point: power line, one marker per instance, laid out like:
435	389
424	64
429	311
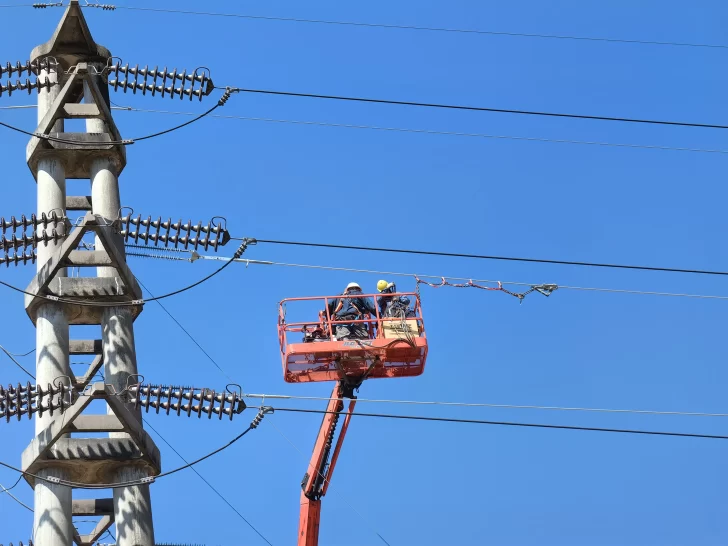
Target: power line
439	277
18	364
189	335
480	108
22	354
208	483
424	131
444	133
124	142
484	405
427	29
16	499
515	424
487	257
20	107
144	481
85	303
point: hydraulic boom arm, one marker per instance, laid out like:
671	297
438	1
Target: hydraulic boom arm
321	468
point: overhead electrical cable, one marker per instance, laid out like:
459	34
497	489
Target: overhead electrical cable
513	424
423	28
20	107
147	423
484	405
488	257
18	364
480	108
426	131
247	262
85	303
187	333
143	481
123	142
445	133
16	499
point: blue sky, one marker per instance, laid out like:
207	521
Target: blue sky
428	483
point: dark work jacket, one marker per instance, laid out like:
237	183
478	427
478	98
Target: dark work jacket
353	306
383	301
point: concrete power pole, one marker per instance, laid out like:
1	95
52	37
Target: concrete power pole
77	65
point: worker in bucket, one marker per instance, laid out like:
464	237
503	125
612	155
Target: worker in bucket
391	305
351	306
384	300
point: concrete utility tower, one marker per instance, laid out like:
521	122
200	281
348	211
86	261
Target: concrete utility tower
110	299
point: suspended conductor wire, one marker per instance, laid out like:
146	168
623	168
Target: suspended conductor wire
124	142
147	423
20	107
18	364
442	133
424	131
189	335
514	424
478	108
194	257
424	28
84	303
20	354
16	499
263	410
485	405
486	257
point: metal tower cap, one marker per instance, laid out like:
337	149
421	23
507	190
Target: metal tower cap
72	41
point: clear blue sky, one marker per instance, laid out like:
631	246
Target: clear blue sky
431	484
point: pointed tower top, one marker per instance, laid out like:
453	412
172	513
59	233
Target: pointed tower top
72	41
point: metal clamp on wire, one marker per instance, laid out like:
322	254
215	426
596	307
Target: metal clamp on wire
261	413
243	246
105	7
226	95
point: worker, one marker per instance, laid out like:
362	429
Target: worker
385	287
351	306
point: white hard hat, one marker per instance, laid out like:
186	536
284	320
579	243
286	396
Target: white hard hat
353	285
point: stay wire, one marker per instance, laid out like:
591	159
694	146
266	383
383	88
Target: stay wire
480	108
428	29
84	303
487	257
212	487
189	335
514	424
486	405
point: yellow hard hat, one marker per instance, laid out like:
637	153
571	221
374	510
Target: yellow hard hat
381	285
